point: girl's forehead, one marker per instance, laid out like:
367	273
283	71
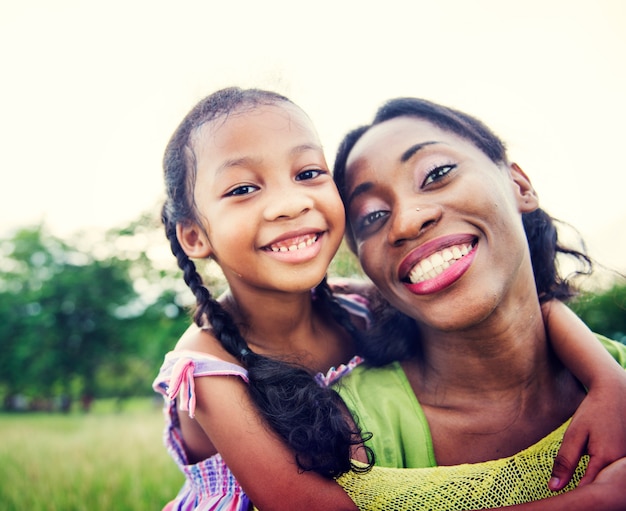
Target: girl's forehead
280	114
253	134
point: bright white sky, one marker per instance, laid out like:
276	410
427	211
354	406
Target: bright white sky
91	91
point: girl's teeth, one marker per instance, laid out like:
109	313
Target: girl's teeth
303	244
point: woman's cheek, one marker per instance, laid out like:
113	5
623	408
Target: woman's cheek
370	258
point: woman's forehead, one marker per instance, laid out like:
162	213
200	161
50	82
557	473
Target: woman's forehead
394	139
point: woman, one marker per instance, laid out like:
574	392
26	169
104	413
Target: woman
442	222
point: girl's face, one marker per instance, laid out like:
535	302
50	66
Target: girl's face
270	212
436	223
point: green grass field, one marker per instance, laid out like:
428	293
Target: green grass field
105	460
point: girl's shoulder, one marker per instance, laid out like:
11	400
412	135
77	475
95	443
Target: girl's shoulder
176	378
202	340
197	353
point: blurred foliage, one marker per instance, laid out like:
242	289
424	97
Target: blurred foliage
345	264
93	316
604	312
75	321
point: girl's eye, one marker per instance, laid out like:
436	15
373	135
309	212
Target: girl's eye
242	190
309	174
438	173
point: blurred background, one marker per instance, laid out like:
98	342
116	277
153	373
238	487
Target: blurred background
90	298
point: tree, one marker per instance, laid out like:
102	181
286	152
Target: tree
58	311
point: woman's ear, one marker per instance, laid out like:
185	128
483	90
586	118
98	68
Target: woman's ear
525	194
193	240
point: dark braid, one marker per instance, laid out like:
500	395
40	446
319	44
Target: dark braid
310	418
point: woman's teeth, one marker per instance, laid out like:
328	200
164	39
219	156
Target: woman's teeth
436	263
293	244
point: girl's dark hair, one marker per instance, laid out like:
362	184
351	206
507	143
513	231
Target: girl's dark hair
310	418
540	228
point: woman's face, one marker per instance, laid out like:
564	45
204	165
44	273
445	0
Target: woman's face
437	224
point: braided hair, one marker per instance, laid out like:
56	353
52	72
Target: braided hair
539	226
310	418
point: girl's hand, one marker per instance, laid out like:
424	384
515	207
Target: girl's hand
597	428
608	487
599	425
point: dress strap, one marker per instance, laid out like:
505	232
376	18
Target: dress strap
176	377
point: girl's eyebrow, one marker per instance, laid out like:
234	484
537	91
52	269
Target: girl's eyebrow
306	147
236	162
406	155
250	161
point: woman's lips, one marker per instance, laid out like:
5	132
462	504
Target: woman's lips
438	263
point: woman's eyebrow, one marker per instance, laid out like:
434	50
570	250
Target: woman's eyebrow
360	189
406	155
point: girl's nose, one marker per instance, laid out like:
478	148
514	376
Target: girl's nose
287	203
410	222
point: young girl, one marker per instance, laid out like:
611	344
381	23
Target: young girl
248	187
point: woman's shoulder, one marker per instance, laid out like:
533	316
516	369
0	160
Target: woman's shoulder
364	376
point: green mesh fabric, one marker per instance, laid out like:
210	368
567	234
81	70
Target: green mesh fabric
504	482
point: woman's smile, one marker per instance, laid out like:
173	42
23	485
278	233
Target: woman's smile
438	263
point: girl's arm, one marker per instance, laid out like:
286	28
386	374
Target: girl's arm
605	493
263	465
228	422
599	424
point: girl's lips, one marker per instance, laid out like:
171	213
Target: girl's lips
438	263
296	248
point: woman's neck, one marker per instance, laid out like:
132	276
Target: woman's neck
492	390
489	357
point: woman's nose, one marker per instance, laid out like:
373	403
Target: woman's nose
411	222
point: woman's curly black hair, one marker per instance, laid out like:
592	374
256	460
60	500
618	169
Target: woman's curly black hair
310	418
540	228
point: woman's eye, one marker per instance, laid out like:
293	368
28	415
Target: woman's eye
308	174
438	173
371	218
241	190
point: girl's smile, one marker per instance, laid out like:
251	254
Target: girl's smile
295	248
